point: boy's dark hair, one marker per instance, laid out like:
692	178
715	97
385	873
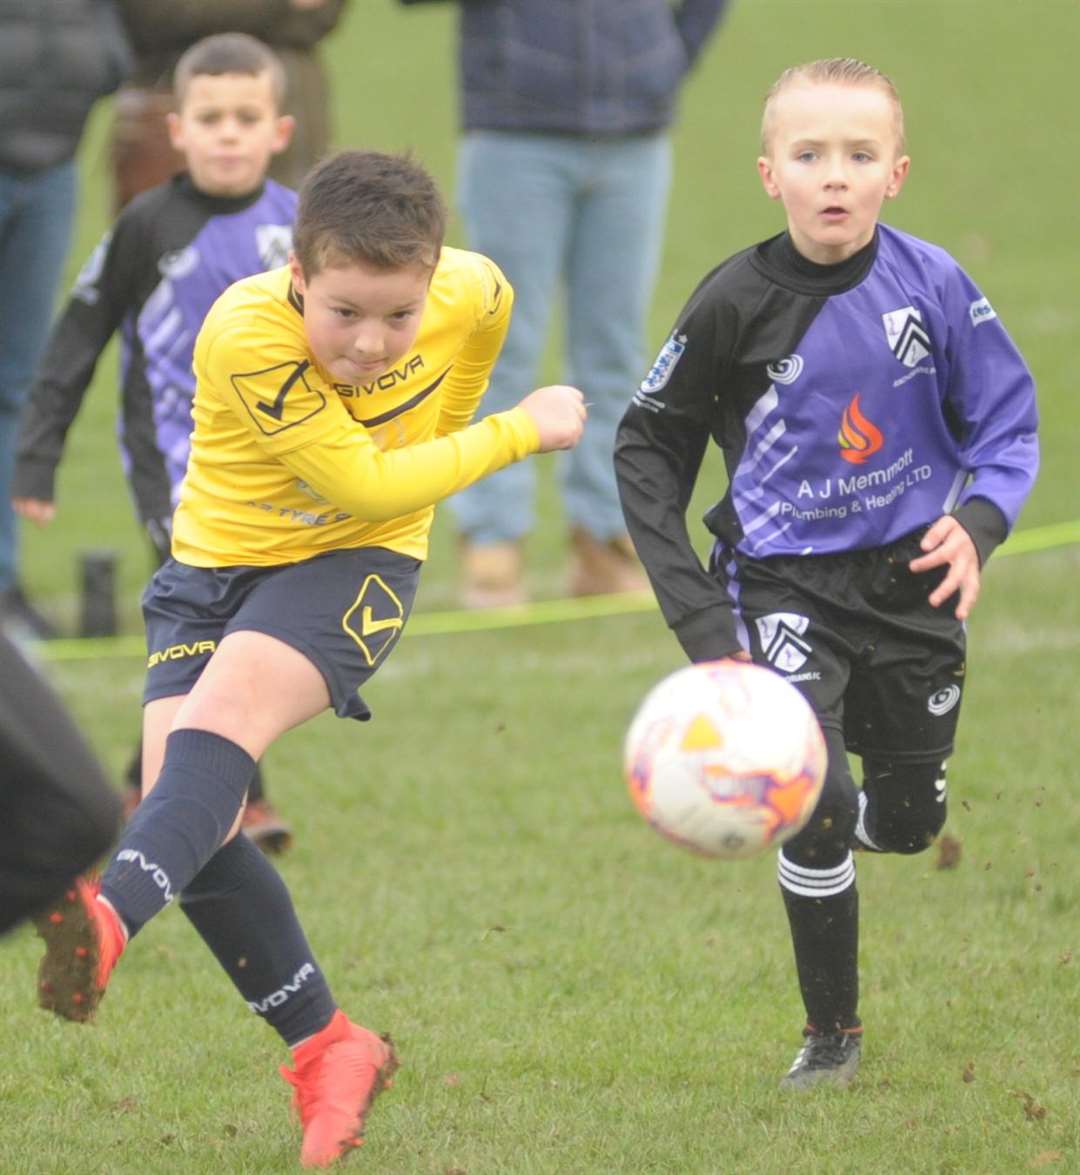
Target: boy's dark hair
365	207
229	53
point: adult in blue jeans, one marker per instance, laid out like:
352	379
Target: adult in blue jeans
57	57
563	175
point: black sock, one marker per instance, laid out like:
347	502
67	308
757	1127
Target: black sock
242	909
823	913
179	826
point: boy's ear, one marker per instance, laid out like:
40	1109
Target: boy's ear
283	132
176	130
899	174
768	182
297	273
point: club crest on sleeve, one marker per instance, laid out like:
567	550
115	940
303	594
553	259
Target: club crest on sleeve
906	335
660	372
278	397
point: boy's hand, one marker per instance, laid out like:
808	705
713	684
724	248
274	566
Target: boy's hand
947	543
558	412
34	510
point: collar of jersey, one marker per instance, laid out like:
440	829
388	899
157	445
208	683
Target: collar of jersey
779	260
219	204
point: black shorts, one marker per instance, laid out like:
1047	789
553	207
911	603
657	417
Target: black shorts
344	611
855	634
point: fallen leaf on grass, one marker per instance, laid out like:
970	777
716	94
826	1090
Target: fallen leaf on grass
1032	1110
949	852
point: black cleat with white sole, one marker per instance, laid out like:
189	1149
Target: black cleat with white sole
826	1058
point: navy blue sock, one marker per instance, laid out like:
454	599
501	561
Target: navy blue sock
179	826
242	909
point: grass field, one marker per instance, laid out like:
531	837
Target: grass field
568	993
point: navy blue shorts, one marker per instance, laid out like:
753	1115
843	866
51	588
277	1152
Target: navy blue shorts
344	611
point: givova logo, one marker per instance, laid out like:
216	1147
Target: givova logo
906	335
781	639
276	998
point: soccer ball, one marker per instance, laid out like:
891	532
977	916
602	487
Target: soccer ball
725	758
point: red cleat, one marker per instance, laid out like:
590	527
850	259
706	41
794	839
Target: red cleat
83	939
339	1071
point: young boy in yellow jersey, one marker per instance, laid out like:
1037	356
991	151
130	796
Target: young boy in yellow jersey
332	411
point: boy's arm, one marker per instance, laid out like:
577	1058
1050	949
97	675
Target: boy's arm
347	468
658	452
299	421
991	397
468	378
93	313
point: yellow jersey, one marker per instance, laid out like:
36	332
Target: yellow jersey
286	463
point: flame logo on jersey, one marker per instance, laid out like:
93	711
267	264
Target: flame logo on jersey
859	438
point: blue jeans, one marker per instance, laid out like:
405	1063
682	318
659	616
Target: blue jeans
588	212
36	215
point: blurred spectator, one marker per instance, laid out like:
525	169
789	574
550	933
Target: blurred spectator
564	171
41	122
161	30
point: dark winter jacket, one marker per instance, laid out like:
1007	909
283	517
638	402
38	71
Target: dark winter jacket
580	67
57	57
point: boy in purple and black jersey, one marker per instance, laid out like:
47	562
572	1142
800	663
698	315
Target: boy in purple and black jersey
878	429
153	278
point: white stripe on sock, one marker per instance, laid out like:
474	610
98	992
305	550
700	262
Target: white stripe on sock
815	883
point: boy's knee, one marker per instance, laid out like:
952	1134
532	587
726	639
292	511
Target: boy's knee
906	805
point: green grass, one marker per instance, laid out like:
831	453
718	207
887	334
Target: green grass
569	993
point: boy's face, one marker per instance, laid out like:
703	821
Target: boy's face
360	321
833	159
228	129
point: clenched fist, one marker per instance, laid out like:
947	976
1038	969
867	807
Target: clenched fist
558	411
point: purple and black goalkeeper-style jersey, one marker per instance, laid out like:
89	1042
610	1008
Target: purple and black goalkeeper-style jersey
171	253
854	403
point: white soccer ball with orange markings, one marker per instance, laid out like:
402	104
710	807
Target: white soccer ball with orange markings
725	758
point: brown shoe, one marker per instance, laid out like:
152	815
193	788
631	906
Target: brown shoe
598	568
266	828
491	575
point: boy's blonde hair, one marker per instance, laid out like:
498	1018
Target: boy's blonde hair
843	71
229	53
368	208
